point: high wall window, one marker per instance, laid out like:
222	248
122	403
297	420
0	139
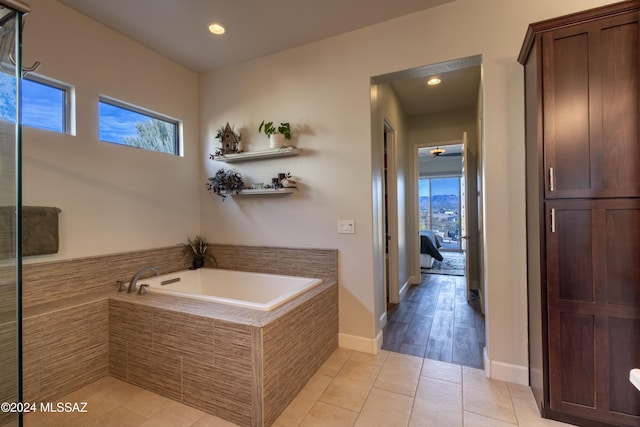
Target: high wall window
45	104
440	209
125	124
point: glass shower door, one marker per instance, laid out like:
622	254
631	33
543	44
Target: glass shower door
11	12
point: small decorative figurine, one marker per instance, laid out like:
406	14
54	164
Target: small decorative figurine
283	180
229	139
288	183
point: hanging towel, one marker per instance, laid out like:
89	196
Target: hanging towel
39	230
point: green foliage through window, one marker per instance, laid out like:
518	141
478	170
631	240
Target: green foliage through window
135	127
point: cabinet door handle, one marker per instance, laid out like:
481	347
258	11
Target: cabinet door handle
553	220
551	179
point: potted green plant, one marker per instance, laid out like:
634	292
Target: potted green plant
196	248
225	182
277	135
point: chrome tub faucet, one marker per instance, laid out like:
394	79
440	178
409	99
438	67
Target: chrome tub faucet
132	284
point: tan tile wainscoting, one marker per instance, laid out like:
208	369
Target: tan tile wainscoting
239	364
8	339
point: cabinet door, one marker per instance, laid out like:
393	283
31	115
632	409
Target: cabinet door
593	288
591	109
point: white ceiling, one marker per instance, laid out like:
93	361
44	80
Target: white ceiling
178	29
458	90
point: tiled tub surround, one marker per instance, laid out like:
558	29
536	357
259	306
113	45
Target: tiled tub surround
48	285
64	348
239	364
67	343
8	340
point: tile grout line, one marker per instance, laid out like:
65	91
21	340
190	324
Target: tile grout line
369	392
307	412
413	401
488	416
513	406
328	403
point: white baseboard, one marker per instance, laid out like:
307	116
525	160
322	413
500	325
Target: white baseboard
505	371
364	345
377	345
403	290
383	320
487	362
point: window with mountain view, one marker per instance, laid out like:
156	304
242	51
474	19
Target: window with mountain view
439	204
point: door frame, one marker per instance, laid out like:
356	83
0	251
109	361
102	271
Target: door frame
390	212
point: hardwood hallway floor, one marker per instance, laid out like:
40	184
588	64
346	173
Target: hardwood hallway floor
435	321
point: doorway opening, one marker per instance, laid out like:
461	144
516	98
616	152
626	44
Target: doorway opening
440	315
441	209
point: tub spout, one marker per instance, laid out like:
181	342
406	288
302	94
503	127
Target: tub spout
132	284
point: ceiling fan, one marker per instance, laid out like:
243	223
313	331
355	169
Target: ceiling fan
441	152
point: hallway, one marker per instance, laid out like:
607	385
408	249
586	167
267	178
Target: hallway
435	321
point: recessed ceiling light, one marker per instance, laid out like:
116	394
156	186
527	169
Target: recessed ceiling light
216	28
433	81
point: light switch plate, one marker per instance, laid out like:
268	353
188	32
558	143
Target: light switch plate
346	226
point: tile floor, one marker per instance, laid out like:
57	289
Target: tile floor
350	389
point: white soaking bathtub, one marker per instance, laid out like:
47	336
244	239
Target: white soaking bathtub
258	291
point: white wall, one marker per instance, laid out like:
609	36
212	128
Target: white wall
324	88
113	198
442	127
440	167
323	97
436	129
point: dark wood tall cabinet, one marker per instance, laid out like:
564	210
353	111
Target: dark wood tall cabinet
582	115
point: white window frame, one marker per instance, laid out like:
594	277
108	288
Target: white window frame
68	107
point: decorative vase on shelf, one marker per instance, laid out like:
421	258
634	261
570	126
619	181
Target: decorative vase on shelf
276	140
197	263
